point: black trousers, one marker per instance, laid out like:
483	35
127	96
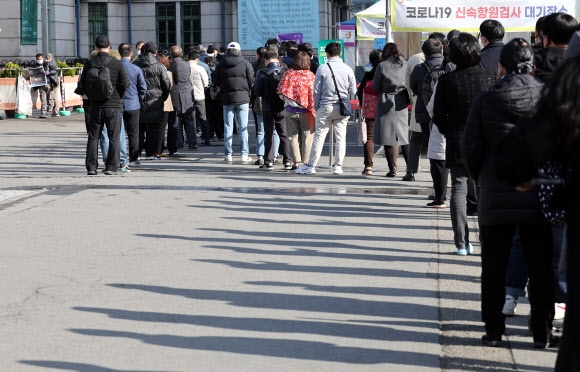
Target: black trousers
390	154
99	117
439	174
162	131
276	119
131	120
496	241
148	138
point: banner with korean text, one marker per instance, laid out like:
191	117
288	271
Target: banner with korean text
259	21
444	15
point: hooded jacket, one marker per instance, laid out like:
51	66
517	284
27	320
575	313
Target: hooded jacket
157	88
493	114
234	75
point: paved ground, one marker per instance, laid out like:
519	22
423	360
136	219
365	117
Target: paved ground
191	264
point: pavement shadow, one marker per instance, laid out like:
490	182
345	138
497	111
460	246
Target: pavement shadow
292	349
80	367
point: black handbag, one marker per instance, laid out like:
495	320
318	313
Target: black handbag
344	103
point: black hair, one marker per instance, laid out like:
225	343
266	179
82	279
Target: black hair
291	44
271	55
210	61
222	49
517	57
333	50
272	41
282	51
464	50
210	49
437	35
559	28
391	50
432	46
305	47
125	50
375	57
39	55
539	25
261	52
492	30
193	55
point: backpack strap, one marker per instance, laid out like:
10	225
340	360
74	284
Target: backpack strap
95	62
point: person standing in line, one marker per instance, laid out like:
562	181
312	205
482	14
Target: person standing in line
491	33
105	111
132	101
200	82
168	112
181	98
456	90
234	76
333	79
54	112
392	118
151	114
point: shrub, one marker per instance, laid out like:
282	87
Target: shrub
11	70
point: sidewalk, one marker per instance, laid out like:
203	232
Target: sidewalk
192	264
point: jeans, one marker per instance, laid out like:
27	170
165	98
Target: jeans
242	111
439	174
275	120
458	206
516	276
496	241
259	122
104	143
329	117
99	118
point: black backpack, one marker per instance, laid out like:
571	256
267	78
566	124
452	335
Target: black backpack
98	85
271	87
429	80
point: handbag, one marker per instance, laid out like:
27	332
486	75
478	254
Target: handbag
215	93
361	132
344	103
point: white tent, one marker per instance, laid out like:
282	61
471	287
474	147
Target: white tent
372	22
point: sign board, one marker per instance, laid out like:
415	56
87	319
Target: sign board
322	53
37	77
425	15
297	37
380	43
371	27
259	21
347	34
29	22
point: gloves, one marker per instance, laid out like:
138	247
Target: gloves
46	73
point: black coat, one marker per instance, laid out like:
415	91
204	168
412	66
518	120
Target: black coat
119	79
490	55
547	60
157	88
455	93
416	83
234	75
493	114
181	91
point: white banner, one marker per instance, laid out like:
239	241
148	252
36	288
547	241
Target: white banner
444	15
370	27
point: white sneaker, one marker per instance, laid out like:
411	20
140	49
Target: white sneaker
246	158
305	169
228	159
560	311
337	169
511	303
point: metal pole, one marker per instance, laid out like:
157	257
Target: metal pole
45	24
129	21
388	24
78	16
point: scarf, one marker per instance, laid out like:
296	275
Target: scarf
298	85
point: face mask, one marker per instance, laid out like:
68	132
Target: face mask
139	52
39	61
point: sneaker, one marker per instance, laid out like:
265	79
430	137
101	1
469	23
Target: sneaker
337	169
193	147
511	303
162	155
432	197
493	341
43	116
228	159
288	165
206	142
125	169
368	171
92	173
276	160
560	311
551	341
436	204
246	159
409	177
305	169
54	114
267	166
465	251
392	173
260	161
151	158
109	172
135	163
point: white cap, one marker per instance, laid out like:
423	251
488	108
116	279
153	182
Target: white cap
234	45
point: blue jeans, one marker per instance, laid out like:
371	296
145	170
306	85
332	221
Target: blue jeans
259	135
517	269
242	111
560	284
104	142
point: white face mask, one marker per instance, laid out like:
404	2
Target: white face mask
39	61
139	52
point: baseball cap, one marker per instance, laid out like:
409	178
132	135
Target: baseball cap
102	42
234	45
149	47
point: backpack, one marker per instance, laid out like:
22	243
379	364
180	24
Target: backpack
271	87
98	85
429	80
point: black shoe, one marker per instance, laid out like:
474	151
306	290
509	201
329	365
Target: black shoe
472	211
553	342
436	204
267	166
180	147
193	147
206	142
260	161
54	114
491	341
392	173
109	172
92	173
409	177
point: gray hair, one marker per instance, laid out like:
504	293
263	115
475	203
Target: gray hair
202	49
50	56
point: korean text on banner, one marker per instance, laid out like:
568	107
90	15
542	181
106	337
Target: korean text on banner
371	27
260	20
424	15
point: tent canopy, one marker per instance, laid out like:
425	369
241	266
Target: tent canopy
350	22
376	11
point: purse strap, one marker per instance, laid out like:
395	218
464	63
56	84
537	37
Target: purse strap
334	80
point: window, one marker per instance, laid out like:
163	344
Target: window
190	24
165	24
97	22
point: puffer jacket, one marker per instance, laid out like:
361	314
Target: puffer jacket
493	114
456	90
158	87
234	75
